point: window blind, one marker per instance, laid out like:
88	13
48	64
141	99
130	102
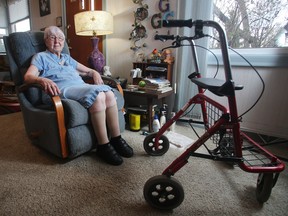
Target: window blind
18	10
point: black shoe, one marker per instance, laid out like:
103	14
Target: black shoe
122	148
109	155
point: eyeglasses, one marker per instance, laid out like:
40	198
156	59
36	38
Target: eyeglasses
53	38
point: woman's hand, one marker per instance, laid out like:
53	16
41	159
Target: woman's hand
96	77
85	71
32	76
49	86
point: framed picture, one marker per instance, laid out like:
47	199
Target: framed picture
59	21
44	7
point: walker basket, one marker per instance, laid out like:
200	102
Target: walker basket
253	157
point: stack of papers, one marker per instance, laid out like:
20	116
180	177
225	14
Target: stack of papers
157	85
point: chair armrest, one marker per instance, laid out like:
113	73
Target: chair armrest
57	103
114	83
24	87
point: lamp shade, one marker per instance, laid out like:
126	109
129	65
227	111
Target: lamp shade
92	23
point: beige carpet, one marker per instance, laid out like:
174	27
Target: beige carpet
33	182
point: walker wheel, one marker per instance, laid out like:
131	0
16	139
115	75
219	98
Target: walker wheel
162	192
149	145
265	183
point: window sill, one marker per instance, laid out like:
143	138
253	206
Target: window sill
262	57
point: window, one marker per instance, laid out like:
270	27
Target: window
21	26
253	23
265	44
14	17
2	33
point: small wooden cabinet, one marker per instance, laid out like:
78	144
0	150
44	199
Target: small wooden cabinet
153	73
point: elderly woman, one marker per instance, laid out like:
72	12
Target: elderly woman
60	74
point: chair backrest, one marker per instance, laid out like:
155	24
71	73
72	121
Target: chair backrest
20	48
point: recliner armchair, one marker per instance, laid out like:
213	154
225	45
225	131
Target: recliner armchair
63	129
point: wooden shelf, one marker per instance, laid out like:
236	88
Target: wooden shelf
145	73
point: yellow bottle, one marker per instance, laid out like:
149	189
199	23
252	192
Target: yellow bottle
134	122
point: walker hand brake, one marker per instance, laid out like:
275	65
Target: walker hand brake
164	37
175	44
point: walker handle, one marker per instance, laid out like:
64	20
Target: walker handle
177	23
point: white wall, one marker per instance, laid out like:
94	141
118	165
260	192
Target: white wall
38	22
119	55
269	116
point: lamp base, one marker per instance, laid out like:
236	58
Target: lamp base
96	59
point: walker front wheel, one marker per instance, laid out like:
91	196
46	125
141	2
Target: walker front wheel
149	145
162	192
265	184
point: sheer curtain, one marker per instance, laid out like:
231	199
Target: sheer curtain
9	2
184	66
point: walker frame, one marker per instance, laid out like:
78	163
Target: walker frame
222	126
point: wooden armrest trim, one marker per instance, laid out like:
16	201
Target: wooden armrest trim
61	125
119	87
114	82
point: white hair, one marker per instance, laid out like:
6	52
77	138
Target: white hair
53	30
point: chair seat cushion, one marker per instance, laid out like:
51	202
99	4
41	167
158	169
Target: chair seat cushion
75	113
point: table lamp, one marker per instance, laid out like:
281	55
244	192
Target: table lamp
94	23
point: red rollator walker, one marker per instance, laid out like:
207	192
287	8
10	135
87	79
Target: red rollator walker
222	127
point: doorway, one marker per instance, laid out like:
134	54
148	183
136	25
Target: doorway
80	47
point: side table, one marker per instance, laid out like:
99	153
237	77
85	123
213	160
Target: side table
8	98
149	98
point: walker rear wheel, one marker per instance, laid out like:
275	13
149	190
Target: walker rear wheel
162	192
265	183
149	145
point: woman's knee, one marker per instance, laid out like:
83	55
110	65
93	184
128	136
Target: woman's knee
110	99
99	104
